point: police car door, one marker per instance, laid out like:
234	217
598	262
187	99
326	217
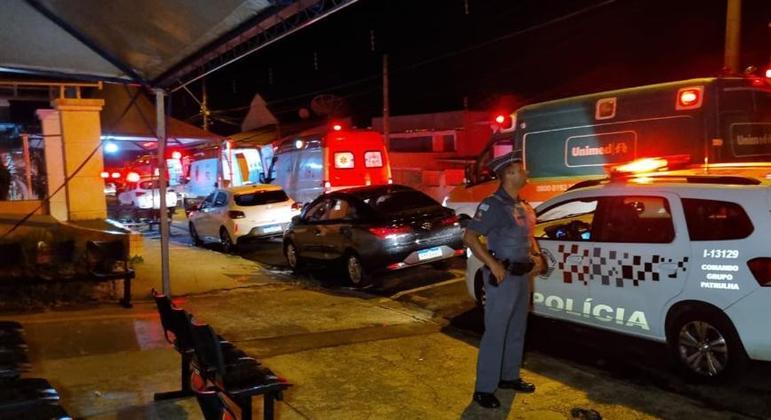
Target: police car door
562	231
637	262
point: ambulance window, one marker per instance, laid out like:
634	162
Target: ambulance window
710	220
344	160
570	221
636	219
373	159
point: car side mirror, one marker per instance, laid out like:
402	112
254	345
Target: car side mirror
296	220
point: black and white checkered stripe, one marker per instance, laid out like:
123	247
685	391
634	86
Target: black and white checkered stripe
612	267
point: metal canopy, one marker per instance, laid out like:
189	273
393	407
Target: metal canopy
155	43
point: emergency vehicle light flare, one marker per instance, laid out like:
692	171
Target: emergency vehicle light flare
641	166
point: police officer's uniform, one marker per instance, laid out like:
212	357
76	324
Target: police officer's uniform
508	225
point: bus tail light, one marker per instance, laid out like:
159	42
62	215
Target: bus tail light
761	269
389	231
235	214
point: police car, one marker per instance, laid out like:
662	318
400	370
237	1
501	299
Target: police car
683	260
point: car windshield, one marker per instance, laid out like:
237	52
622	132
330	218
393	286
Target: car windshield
261	197
401	202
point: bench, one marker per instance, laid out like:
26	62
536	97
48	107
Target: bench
214	369
57	262
108	261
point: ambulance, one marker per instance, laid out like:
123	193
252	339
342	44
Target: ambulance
329	158
717	125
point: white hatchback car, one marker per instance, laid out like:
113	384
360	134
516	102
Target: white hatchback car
232	215
685	261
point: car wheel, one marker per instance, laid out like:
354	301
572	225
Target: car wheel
194	236
479	288
228	246
705	345
292	257
354	271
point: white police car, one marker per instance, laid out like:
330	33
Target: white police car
681	260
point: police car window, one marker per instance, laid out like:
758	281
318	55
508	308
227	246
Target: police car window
710	220
570	221
635	219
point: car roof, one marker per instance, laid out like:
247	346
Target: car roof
648	186
246	189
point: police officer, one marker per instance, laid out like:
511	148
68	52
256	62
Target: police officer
507	221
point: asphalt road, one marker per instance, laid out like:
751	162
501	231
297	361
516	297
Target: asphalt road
626	358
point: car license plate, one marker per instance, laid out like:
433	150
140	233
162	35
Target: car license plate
429	253
272	229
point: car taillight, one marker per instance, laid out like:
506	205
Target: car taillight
297	206
384	232
761	269
235	214
140	193
450	220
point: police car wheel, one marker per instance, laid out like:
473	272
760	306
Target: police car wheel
354	271
479	288
194	236
706	345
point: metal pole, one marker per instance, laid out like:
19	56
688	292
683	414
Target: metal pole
27	164
160	119
733	24
386	105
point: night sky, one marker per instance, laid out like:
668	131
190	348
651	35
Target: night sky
500	53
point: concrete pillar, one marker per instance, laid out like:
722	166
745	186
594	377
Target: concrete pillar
54	157
81	134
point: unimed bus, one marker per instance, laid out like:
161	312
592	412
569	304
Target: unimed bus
322	160
716	125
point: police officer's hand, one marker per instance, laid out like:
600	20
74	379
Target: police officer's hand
498	271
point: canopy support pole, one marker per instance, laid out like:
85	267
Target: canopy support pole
160	119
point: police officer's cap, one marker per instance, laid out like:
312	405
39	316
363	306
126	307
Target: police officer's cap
501	162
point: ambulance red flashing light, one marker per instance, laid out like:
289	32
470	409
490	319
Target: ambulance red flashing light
337	127
176	155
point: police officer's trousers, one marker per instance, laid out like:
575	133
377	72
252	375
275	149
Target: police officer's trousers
500	352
